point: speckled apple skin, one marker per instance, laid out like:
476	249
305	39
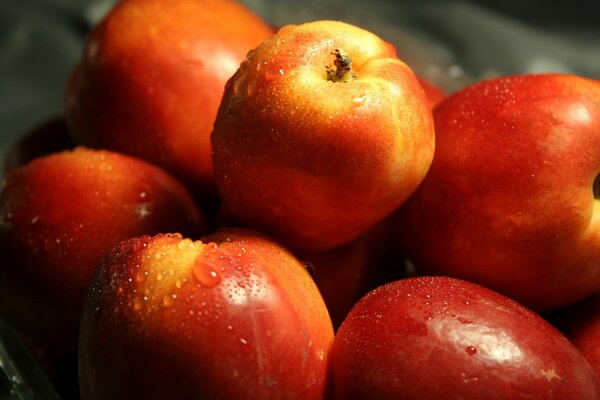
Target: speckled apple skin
314	162
59	214
234	316
432	338
151	77
508	201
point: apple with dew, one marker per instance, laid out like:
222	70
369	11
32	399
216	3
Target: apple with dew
322	132
510	201
232	316
58	215
443	338
151	77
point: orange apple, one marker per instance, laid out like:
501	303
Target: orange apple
233	316
151	77
511	199
321	133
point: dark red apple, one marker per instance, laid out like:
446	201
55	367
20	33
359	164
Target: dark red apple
443	338
234	316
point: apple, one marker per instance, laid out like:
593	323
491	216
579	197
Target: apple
58	215
581	325
510	200
151	77
50	136
443	338
234	315
321	133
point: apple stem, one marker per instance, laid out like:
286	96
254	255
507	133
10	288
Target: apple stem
341	71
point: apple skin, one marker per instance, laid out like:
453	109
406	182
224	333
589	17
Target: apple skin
314	162
508	201
151	77
233	316
58	215
443	338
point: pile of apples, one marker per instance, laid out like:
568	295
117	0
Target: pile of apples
230	212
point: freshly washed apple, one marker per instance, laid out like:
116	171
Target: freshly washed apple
322	132
581	325
49	137
233	316
58	215
510	201
443	338
151	77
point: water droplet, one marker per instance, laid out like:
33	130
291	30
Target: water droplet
309	268
471	350
206	276
244	345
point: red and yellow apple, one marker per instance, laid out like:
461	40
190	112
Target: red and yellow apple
442	338
58	215
322	132
233	316
510	201
151	77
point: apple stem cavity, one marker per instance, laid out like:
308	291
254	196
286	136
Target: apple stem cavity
341	71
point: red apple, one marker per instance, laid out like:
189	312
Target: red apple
232	316
443	338
509	201
321	133
151	77
58	215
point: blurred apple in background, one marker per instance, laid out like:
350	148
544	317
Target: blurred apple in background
510	201
151	77
321	133
58	215
442	338
232	316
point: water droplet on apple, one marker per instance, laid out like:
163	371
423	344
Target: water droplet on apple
206	276
244	345
471	350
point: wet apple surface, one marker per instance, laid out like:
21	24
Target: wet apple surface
232	316
443	338
314	158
